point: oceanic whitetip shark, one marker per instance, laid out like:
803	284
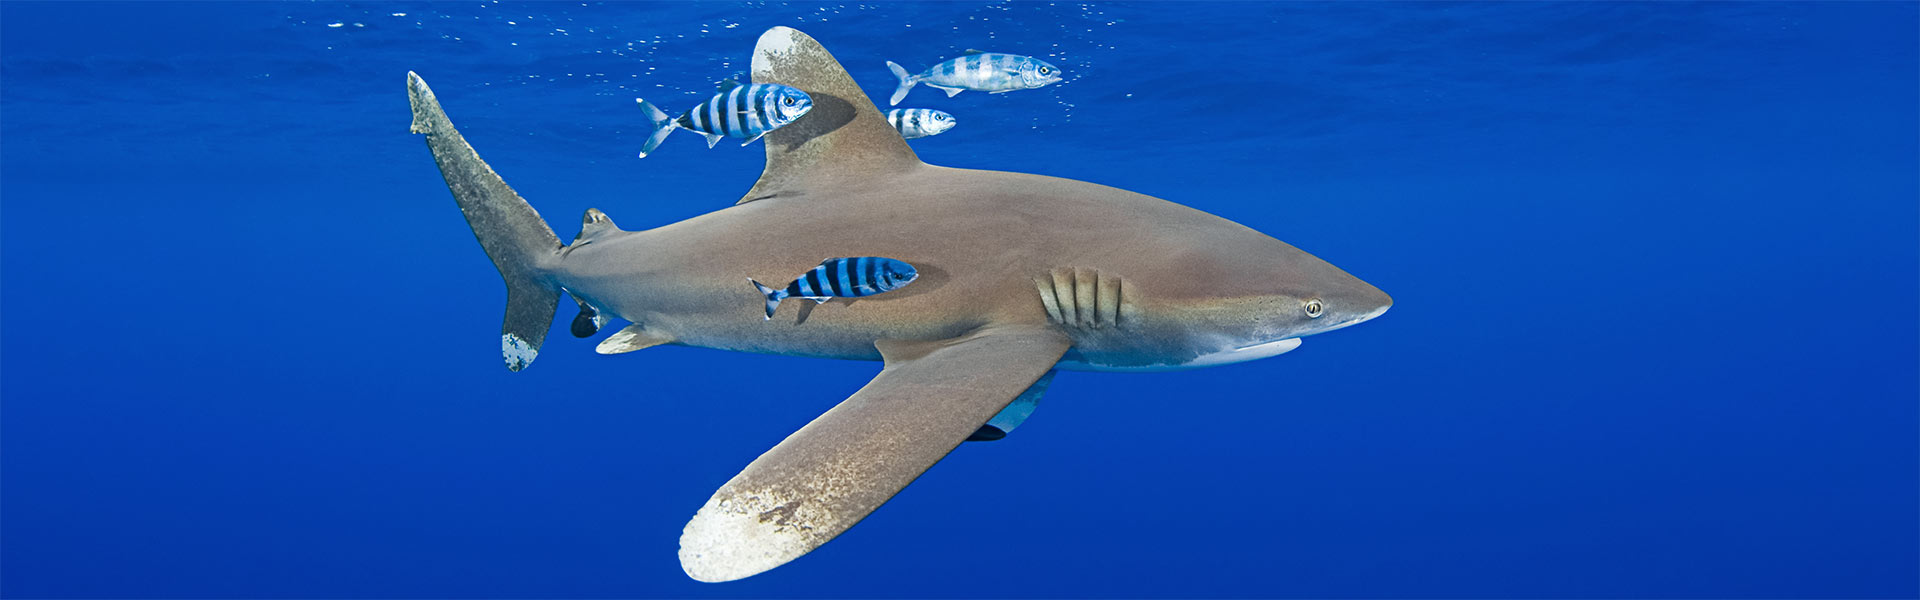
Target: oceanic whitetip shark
1019	275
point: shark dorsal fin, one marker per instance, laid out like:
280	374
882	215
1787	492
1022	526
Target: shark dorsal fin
843	139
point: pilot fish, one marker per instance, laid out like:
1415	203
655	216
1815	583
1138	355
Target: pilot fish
842	277
741	111
919	122
990	72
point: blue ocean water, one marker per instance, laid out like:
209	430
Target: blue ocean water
1655	271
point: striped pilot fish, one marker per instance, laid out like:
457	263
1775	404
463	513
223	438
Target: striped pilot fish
842	278
990	72
919	122
741	111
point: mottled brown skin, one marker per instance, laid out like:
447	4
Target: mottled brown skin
979	240
841	182
1019	274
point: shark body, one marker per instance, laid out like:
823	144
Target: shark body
1019	275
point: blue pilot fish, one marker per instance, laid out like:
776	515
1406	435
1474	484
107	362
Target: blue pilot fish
842	278
741	111
990	72
919	122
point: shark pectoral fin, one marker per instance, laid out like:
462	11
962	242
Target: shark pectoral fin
1015	413
829	475
630	339
842	138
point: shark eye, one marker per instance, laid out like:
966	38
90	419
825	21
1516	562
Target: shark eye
788	100
1315	309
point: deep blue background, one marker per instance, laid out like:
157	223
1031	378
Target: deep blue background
1654	268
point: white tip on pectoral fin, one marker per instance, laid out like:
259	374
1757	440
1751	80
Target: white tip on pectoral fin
839	468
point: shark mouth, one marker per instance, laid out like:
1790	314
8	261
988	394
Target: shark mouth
1351	322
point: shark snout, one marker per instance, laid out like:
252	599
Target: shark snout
1357	303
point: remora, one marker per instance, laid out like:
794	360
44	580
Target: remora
1020	275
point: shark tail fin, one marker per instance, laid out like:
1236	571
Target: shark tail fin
511	232
661	123
773	296
906	83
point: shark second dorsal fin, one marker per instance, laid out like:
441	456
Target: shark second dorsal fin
844	138
594	225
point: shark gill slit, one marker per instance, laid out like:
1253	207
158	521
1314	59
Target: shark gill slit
1085	298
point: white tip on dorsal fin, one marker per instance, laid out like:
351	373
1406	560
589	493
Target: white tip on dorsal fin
844	137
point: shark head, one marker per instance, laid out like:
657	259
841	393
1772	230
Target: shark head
1214	293
1278	294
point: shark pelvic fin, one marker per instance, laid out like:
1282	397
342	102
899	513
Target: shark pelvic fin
589	321
843	139
634	337
929	398
1015	413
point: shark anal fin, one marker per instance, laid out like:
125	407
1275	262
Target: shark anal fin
835	471
634	337
987	433
843	138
